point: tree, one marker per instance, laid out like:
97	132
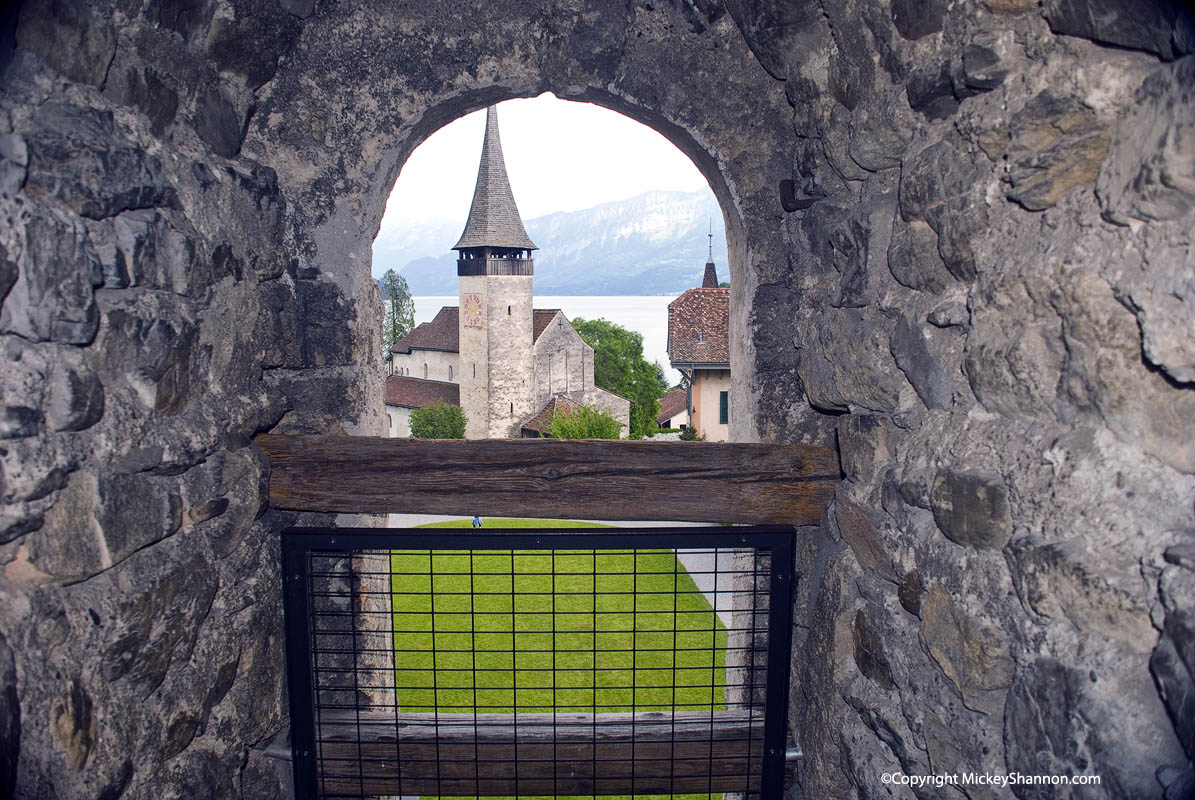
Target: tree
400	309
585	422
619	367
438	421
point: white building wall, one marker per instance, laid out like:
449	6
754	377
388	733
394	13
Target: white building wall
398	421
435	365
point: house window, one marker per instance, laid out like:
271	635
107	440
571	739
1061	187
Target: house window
724	407
425	369
449	372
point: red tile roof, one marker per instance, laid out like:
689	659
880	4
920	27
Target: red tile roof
699	327
540	319
418	393
443	333
672	404
439	334
539	423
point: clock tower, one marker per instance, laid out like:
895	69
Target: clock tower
494	268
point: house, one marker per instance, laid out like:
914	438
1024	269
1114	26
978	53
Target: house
507	362
674	409
699	347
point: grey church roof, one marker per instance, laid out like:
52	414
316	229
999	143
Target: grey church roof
493	218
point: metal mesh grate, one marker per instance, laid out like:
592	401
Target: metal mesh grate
615	663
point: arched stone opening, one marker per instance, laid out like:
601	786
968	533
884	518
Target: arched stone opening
668	58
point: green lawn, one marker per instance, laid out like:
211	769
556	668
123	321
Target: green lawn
609	630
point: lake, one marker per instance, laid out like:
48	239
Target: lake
647	315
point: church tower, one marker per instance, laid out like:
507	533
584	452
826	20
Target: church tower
494	267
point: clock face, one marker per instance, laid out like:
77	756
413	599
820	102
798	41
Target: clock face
471	308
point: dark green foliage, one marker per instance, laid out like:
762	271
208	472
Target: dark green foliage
689	434
439	421
584	423
400	309
619	367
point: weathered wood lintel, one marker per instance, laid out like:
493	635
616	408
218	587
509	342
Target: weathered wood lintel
550	478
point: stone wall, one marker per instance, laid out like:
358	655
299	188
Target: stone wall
190	192
990	295
985	297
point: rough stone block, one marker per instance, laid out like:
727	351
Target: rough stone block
950	315
135	511
909	592
10	720
1057	144
860	245
931	92
971	508
146	89
880	133
916	20
219	124
1164	27
158	626
924	370
913	257
983	66
71	36
859	529
78	157
1150	170
870	657
151	343
75	396
14	159
73	724
53	297
847	369
1056	580
1172	665
972	655
866	445
1060	719
940	185
8	274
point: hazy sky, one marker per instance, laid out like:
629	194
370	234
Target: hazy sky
560	156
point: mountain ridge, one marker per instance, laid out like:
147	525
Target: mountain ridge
653	243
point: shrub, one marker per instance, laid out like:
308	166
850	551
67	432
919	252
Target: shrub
584	423
690	435
439	421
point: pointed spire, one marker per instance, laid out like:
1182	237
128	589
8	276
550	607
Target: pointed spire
493	218
710	279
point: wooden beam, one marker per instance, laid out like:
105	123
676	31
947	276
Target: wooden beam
652	752
551	478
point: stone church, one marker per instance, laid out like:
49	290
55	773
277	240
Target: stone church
508	365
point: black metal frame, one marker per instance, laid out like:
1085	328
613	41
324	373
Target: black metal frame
299	543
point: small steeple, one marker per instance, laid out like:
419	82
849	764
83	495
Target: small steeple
493	218
710	279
